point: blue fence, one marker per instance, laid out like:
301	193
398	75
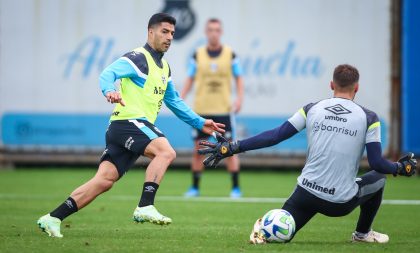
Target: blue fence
410	76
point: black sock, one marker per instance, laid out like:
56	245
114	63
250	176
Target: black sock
235	179
67	208
148	194
196	179
368	212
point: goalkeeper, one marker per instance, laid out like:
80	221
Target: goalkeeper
338	131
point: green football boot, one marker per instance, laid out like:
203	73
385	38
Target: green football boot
50	225
150	214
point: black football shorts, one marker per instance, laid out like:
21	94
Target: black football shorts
126	140
229	122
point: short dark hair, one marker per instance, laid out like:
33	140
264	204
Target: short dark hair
345	75
159	18
214	20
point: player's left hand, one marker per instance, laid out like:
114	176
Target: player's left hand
210	127
407	165
218	151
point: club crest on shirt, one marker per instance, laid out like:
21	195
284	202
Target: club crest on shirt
213	67
163	80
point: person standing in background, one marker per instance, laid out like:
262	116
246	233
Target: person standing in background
211	70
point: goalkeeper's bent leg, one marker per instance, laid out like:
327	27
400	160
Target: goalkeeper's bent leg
371	187
295	205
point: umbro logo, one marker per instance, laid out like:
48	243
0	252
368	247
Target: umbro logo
68	203
129	142
337	109
149	188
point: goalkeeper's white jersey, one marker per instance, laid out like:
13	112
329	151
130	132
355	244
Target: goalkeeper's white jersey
337	131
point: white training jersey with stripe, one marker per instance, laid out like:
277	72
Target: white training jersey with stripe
337	130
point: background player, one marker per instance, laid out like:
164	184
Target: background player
145	84
211	70
338	130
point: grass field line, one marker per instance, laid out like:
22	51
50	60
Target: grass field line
269	200
197	199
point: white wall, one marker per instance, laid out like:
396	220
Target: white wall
288	48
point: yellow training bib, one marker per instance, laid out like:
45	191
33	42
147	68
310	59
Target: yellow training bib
146	101
213	82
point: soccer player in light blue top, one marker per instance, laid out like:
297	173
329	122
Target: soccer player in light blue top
338	131
145	84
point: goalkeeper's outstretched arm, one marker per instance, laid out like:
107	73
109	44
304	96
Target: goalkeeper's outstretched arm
224	148
405	166
377	162
268	138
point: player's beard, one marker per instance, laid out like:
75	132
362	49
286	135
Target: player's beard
165	47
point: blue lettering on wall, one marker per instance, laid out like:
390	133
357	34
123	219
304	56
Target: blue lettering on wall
90	52
95	53
281	62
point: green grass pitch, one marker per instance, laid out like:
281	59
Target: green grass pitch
198	226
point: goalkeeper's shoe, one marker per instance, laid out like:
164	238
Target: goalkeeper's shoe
236	193
150	214
192	192
372	236
256	236
50	225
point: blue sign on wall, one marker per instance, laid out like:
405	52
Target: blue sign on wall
88	131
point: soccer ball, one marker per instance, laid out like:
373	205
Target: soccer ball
278	225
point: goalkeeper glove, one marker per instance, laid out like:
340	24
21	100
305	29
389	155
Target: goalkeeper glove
218	151
407	165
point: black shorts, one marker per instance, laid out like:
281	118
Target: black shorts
126	140
303	205
228	120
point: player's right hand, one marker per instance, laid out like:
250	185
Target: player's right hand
210	127
114	97
407	165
